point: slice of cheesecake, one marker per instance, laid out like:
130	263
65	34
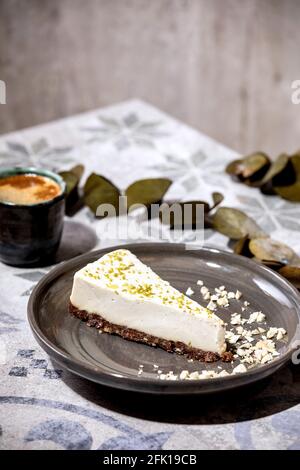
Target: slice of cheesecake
119	294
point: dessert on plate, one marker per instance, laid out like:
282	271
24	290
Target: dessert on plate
119	294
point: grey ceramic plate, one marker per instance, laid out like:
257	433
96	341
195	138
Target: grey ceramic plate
113	361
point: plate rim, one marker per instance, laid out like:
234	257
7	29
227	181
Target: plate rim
140	384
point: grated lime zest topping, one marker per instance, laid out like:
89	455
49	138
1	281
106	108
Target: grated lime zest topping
118	272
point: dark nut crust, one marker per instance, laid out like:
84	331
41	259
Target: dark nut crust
96	321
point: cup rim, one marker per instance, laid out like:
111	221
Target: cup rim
20	170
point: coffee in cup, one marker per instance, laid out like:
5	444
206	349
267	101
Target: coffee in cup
32	211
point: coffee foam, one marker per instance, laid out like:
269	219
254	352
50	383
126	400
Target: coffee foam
28	188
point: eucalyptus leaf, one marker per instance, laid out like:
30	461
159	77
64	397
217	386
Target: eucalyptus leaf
287	176
276	168
272	264
147	191
271	250
99	190
291	193
281	177
295	159
251	168
291	273
233	167
189	214
267	189
241	247
70	179
235	224
217	199
77	170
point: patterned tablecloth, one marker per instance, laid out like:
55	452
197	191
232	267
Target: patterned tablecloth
42	406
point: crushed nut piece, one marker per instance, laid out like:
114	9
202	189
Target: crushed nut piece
231	295
212	306
238	295
184	374
204	290
258	317
222	302
239	369
189	291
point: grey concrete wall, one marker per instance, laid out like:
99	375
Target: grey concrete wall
223	66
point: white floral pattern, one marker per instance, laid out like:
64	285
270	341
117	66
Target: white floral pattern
129	130
37	154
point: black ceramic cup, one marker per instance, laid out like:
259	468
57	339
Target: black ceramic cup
30	234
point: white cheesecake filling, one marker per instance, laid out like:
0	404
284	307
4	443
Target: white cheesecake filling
124	291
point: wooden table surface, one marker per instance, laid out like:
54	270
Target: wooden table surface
224	67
